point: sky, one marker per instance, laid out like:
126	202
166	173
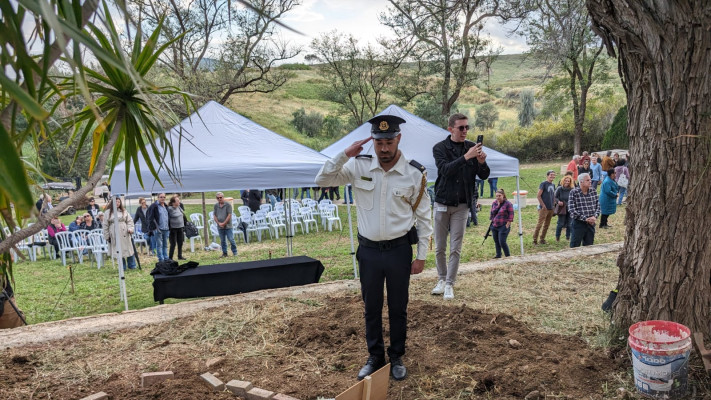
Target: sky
360	18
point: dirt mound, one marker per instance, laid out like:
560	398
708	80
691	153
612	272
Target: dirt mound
453	352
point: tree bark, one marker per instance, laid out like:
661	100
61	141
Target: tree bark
665	264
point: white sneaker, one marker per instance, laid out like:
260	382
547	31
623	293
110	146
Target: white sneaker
448	292
439	288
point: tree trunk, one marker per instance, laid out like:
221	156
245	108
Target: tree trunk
665	264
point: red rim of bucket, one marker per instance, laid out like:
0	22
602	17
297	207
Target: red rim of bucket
661	323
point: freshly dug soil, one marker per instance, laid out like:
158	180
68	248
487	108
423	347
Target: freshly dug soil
454	352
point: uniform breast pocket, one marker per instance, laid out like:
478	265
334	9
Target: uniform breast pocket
364	191
400	198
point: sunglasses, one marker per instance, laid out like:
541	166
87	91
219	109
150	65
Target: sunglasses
463	128
219	197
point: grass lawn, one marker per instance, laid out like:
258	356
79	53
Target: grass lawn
43	287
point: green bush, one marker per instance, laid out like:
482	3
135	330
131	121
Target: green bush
295	67
526	111
430	110
486	116
616	137
332	126
309	124
543	140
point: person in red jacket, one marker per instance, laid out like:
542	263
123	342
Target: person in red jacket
55	226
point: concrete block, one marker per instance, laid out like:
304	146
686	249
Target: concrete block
280	396
152	378
212	381
239	388
214	361
97	396
259	394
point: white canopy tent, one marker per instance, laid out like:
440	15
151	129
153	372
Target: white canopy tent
217	149
418	138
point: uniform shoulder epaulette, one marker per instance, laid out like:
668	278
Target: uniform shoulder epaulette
365	156
418	166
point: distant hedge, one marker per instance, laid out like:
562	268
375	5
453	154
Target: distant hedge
616	137
295	66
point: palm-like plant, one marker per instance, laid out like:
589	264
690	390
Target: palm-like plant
121	116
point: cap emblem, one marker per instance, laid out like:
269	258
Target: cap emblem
383	126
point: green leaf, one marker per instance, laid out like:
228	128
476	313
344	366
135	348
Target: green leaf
13	179
28	104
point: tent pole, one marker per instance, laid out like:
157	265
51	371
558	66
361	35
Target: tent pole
350	229
520	220
117	235
205	229
289	226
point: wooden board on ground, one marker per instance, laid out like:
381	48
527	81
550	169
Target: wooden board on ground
373	387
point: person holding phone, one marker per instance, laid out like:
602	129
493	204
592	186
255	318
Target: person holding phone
459	162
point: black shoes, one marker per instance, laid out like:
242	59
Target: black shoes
397	370
373	364
182	258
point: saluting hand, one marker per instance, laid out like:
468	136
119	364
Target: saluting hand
357	146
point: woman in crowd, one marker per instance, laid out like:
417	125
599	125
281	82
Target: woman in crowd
176	223
89	223
501	216
561	199
125	230
92	208
141	221
55	226
76	224
622	177
585	168
608	197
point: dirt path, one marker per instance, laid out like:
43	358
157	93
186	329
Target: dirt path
48	331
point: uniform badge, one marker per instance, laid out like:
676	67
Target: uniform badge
383	126
365	178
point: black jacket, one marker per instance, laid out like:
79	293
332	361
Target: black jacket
143	217
452	169
152	217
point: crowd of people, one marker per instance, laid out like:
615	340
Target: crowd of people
576	202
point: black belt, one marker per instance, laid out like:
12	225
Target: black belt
383	244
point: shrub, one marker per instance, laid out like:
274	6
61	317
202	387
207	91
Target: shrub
527	110
486	116
616	137
309	124
295	67
332	126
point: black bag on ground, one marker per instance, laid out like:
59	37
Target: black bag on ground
191	230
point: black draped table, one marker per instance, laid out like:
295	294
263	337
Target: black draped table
233	278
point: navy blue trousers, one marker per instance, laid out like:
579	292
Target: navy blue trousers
391	269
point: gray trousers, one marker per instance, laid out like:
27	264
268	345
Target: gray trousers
453	222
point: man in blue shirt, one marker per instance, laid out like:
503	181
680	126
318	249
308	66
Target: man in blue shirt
158	225
596	169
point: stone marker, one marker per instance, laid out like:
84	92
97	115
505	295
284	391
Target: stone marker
151	378
259	394
97	396
239	388
212	382
214	361
280	396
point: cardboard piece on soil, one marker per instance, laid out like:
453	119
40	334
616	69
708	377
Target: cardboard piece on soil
373	387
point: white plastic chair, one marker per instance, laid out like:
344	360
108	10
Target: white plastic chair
41	240
198	221
244	210
139	240
276	222
307	217
325	201
99	248
330	213
266	207
295	221
68	244
26	245
261	224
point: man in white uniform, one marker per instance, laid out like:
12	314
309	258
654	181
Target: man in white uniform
393	214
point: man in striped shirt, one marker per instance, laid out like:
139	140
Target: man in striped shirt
584	208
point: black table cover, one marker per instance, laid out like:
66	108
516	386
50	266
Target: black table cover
233	278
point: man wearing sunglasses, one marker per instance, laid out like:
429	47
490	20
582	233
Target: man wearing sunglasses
459	162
